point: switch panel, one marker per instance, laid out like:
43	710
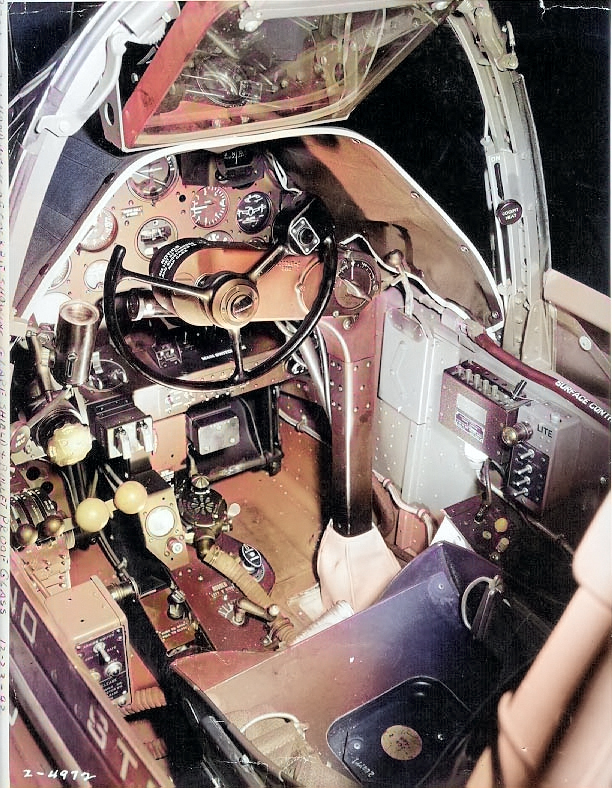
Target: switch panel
122	428
476	405
543	466
89	616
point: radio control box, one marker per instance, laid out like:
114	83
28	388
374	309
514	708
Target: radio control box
476	405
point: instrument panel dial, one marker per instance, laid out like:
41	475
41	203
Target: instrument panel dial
154	234
62	271
154	180
254	212
94	274
219	237
160	521
209	206
102	233
357	283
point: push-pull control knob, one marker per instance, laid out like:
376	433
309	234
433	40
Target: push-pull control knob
515	433
130	497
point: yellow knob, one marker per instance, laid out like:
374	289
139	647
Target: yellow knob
69	444
503	544
501	525
91	515
130	497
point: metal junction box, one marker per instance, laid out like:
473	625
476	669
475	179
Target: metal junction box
97	627
411	447
476	405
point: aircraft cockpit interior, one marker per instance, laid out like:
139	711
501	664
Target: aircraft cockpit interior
295	495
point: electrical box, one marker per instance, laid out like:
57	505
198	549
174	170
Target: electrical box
121	428
213	431
411	447
544	466
476	405
89	617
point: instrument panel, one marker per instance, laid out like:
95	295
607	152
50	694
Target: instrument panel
161	202
229	198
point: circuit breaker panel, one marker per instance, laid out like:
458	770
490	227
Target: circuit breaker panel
477	406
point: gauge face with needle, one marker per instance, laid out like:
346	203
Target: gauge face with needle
155	179
209	206
253	212
101	234
356	283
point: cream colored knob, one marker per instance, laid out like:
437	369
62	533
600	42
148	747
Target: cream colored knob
91	515
69	444
501	525
130	497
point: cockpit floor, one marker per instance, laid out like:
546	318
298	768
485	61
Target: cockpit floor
281	515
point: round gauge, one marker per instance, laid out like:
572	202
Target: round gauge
61	271
219	237
209	206
155	179
160	521
258	243
153	235
101	234
254	212
356	283
94	274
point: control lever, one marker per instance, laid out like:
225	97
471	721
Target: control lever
92	514
177	604
244	606
122	443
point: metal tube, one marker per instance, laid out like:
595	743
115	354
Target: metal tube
75	338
